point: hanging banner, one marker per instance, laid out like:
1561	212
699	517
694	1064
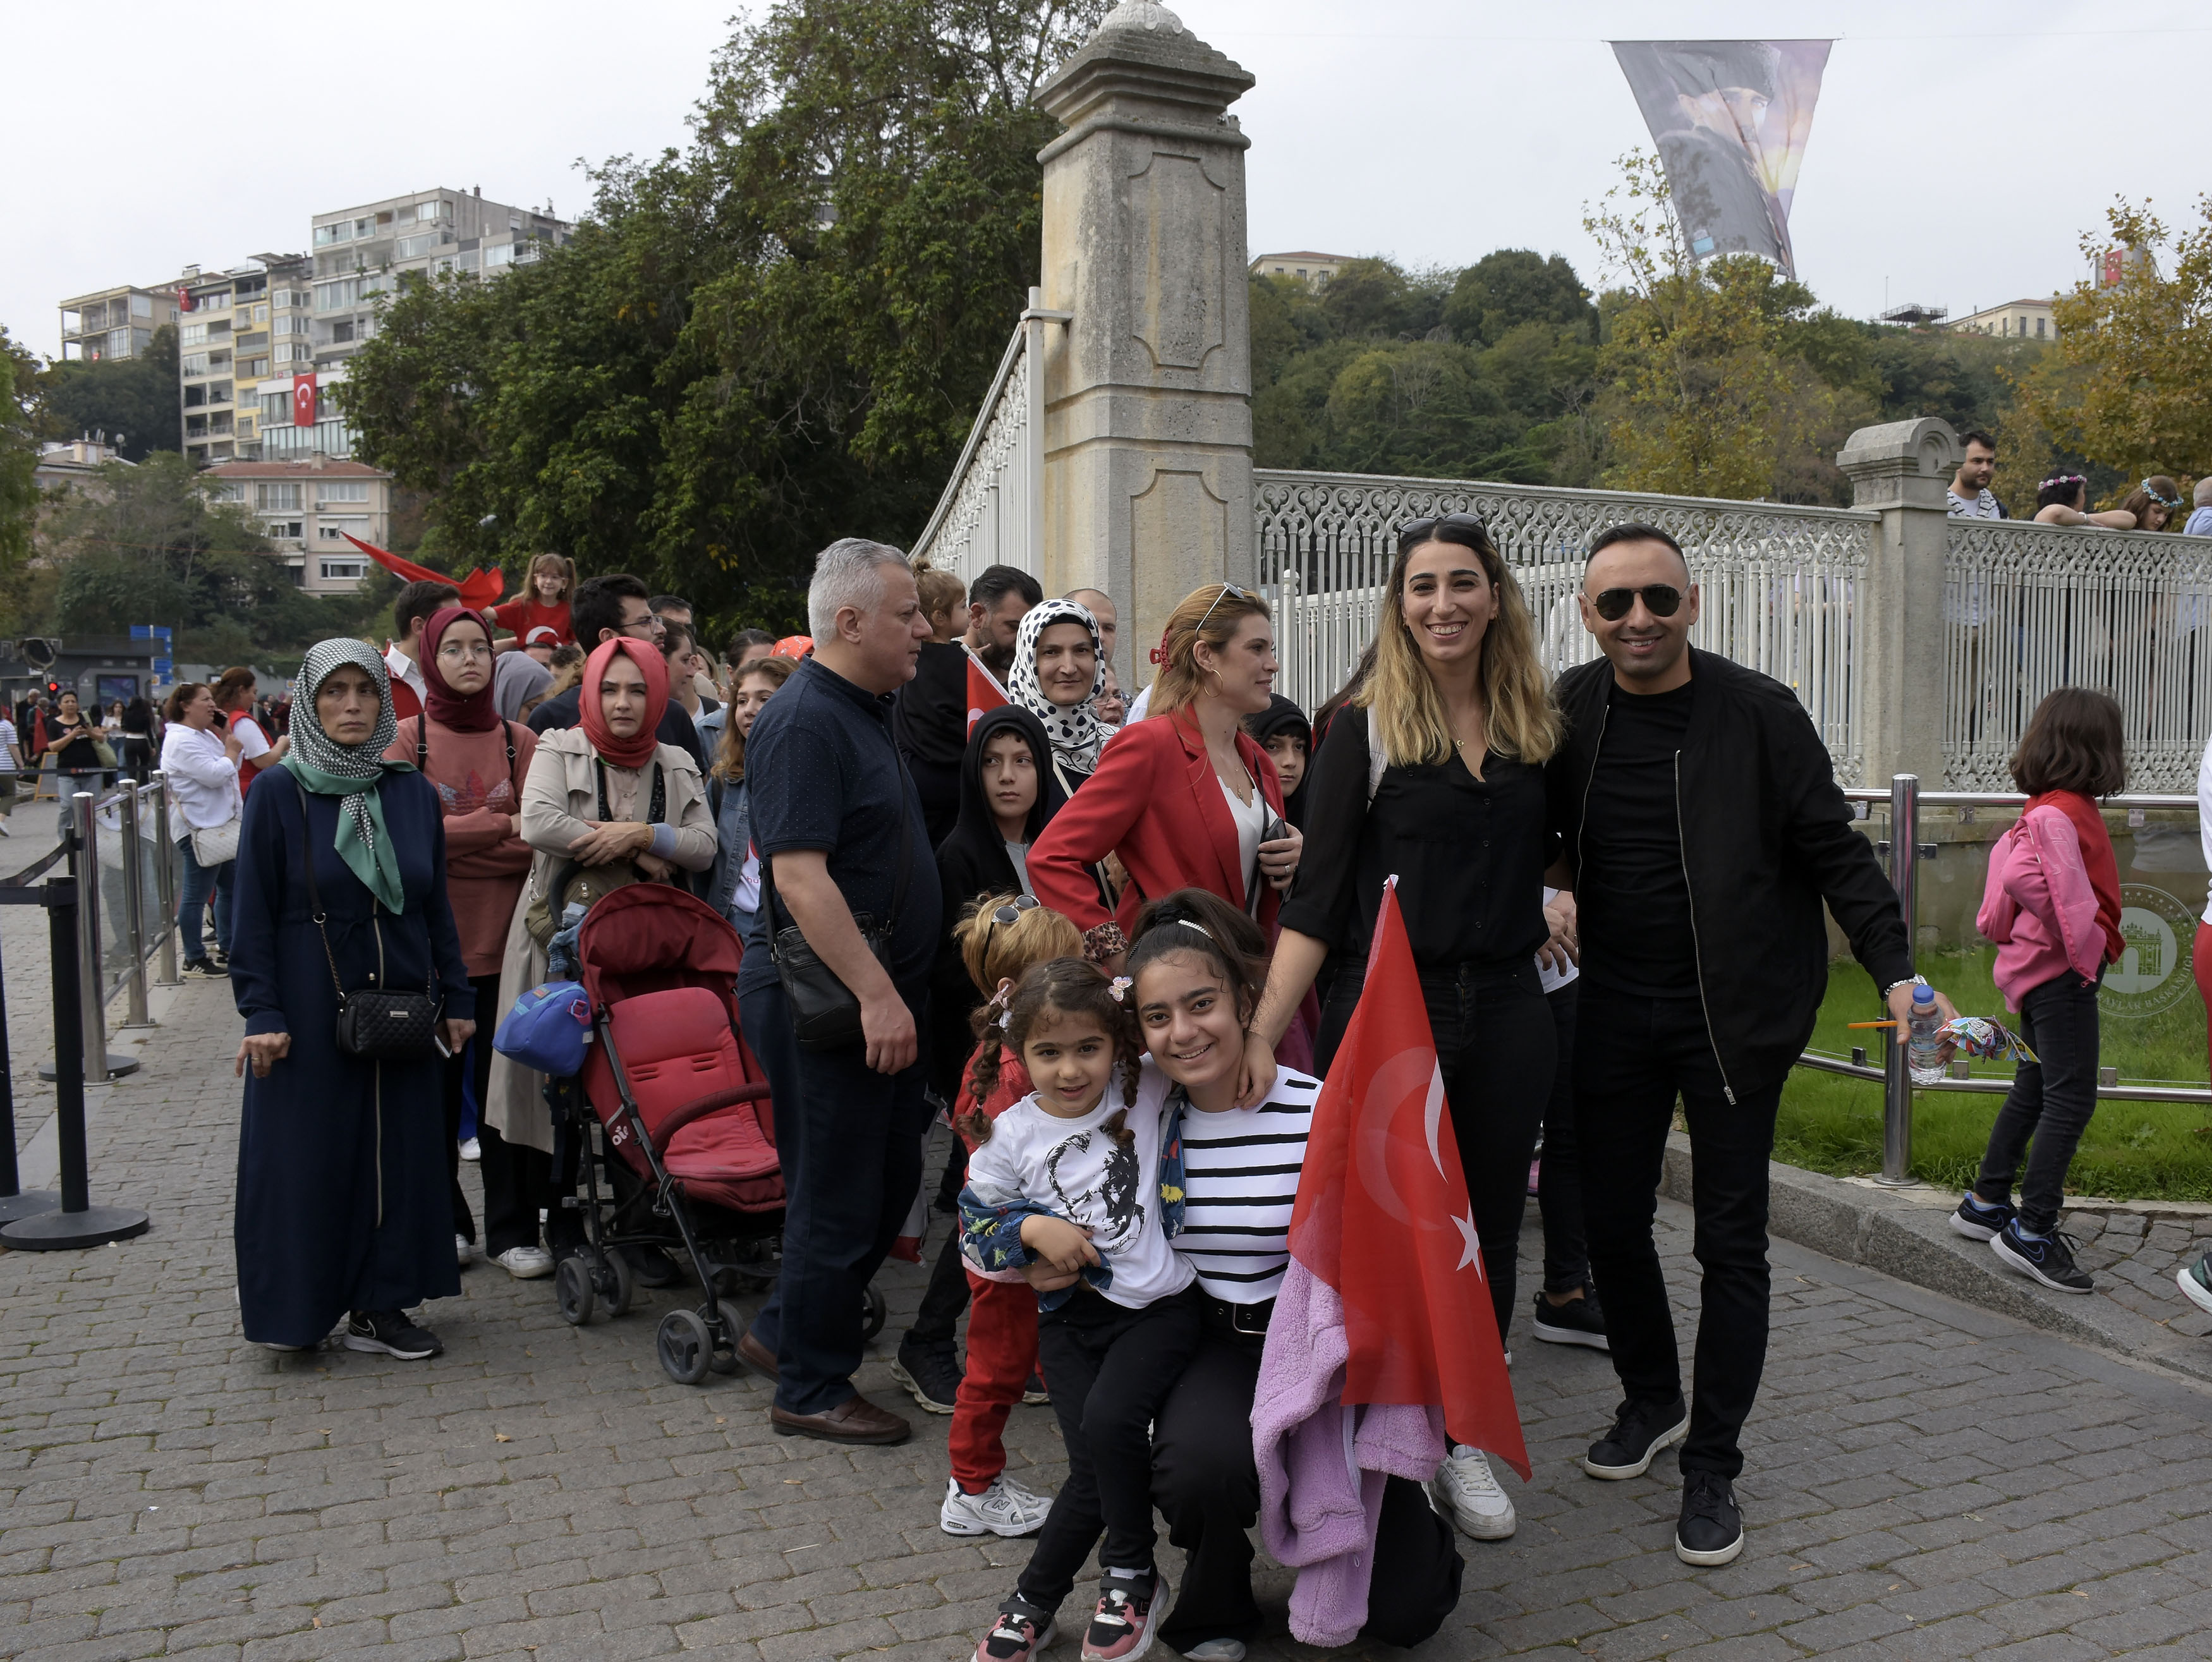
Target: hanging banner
1730	118
303	400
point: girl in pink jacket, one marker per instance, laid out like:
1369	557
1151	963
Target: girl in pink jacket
2052	906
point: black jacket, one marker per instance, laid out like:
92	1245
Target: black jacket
929	721
1767	837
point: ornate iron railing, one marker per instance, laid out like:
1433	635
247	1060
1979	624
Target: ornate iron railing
2030	608
1777	582
991	511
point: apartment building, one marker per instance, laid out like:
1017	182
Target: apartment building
206	329
306	508
361	253
2016	320
1313	269
118	322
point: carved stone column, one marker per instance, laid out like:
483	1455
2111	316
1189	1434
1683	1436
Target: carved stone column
1148	419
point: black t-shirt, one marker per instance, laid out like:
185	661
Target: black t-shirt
1633	894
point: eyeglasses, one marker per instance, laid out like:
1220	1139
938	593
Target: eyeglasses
1011	914
1660	600
1227	589
1463	527
651	623
458	650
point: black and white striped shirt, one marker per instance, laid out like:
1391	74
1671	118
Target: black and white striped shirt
1240	1182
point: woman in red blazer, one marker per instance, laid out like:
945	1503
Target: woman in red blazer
1186	798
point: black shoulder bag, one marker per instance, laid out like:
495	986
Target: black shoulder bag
825	1015
374	1025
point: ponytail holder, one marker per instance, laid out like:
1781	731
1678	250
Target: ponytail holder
1002	1001
1118	988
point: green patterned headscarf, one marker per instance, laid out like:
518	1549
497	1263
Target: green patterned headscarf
351	772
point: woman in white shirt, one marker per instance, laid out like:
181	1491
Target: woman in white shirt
203	769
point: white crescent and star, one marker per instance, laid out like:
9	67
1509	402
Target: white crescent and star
1470	1248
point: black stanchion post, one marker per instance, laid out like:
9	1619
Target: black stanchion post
79	1223
14	1203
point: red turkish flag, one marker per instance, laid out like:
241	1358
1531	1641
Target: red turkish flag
478	589
984	692
303	400
1383	1217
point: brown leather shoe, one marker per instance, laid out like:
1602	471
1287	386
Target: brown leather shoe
855	1420
757	1356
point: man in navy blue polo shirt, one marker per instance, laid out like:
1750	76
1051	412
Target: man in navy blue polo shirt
838	823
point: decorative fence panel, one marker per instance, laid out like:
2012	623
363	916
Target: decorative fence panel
992	510
2028	608
1777	582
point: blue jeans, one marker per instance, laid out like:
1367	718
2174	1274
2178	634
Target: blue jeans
200	882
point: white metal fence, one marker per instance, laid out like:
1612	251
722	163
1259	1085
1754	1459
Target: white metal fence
993	510
1777	582
2030	608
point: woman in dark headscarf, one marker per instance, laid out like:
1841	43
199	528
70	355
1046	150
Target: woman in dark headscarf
341	1187
1058	668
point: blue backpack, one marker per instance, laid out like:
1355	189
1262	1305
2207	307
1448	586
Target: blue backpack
547	1029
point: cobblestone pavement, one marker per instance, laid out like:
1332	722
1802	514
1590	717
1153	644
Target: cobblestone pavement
2133	1258
1926	1480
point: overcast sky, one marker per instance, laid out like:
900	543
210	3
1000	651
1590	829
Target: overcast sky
1958	168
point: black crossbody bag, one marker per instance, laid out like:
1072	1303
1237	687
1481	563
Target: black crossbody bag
825	1015
374	1025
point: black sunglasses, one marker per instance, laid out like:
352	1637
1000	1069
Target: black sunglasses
1466	529
1660	600
1010	914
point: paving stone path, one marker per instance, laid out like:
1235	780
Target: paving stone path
1926	1480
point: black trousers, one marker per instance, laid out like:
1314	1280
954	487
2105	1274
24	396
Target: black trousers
850	1142
1208	1489
1632	1056
475	1058
1497	1050
945	1298
1110	1367
2050	1101
1559	1182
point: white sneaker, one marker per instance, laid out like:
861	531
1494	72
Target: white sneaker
472	1149
1001	1509
1464	1492
1216	1650
526	1263
464	1254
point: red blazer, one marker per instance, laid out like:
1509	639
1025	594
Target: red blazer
1156	802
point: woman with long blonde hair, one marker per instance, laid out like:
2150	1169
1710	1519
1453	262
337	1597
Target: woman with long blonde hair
1434	772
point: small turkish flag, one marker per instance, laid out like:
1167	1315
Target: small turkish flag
1383	1217
303	400
984	692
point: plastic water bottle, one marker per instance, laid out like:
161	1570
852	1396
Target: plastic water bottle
1923	1046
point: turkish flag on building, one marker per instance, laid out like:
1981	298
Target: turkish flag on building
984	692
1383	1217
303	400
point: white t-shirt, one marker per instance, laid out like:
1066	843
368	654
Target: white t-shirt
1075	1169
253	742
1251	819
1139	707
7	741
1240	1183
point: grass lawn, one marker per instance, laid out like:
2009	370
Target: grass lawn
2132	1150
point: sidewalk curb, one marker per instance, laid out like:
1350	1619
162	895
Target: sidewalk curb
1914	1242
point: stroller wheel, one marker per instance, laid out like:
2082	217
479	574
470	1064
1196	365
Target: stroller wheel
619	1285
571	1291
686	1353
872	1312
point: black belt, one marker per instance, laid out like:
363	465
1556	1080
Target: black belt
1247	1321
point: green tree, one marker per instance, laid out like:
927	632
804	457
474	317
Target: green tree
778	337
1501	292
18	455
134	397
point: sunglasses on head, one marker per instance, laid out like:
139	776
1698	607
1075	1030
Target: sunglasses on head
1462	528
1010	913
1660	600
1227	589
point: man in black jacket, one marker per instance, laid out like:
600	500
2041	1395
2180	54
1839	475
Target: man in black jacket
1703	828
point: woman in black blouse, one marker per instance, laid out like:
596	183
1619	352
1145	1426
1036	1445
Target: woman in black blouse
1434	771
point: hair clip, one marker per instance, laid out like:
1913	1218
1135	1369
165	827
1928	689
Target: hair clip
1118	988
1006	1020
1193	923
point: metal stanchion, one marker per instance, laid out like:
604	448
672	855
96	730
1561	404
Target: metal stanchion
100	1064
14	1203
165	870
1896	1080
134	902
79	1223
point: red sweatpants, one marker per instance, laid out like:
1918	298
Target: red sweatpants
1002	1353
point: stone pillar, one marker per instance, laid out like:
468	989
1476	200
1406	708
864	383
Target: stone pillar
1900	471
1148	417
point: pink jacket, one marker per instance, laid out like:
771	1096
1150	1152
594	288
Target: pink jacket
2037	906
1322	1464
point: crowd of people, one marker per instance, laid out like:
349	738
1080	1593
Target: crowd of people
1116	948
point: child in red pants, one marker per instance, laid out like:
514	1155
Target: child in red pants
999	945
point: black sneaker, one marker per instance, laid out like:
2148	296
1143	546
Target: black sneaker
1639	1432
2050	1261
391	1333
1578	1321
204	969
1710	1531
1978	1220
931	1377
1129	1605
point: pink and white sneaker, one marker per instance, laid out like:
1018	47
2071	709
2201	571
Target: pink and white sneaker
1018	1636
1127	1616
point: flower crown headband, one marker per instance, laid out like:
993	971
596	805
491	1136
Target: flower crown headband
2151	491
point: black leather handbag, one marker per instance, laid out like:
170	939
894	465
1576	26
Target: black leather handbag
825	1015
374	1025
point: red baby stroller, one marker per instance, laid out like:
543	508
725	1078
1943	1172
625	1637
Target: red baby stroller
682	1104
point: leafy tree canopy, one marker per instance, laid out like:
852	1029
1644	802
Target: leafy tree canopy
19	492
135	397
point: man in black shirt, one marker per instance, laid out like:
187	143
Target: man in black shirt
603	608
929	717
1702	831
